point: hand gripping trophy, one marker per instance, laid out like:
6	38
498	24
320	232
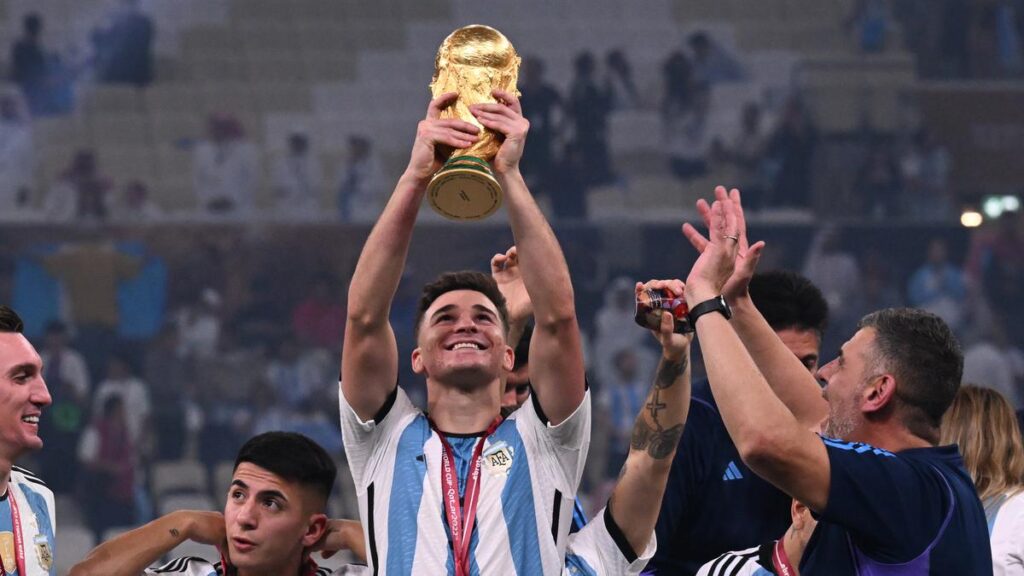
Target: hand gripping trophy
473	61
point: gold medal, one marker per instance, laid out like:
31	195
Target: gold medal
44	552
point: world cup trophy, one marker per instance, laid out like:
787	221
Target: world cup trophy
473	61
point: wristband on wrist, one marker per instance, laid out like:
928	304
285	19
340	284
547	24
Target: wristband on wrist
716	304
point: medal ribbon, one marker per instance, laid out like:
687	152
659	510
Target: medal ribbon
19	539
461	516
783	567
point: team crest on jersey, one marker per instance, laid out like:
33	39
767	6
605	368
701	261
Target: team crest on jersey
498	458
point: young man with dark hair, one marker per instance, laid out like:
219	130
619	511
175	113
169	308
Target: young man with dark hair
462	489
273	518
27	517
714	503
888	499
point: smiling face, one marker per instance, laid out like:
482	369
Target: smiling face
845	379
270	521
23	395
462	341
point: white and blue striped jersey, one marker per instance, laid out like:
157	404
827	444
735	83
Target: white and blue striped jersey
528	481
754	561
192	566
596	551
38	520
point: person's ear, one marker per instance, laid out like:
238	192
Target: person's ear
508	361
315	530
417	362
878	393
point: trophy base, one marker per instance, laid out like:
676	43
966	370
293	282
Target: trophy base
464	189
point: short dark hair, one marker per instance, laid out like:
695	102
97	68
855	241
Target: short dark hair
920	350
788	300
293	457
523	348
10	321
462	280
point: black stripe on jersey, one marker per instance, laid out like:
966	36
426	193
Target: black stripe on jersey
31	477
177	565
558	512
323	571
735	561
370	528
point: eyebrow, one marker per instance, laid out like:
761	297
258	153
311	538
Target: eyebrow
275	493
450	307
27	367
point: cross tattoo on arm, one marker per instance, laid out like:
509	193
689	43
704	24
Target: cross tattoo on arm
658	441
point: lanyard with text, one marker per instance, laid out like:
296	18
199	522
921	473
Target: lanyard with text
782	565
461	524
19	540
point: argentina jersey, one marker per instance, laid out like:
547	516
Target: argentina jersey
754	561
192	566
529	475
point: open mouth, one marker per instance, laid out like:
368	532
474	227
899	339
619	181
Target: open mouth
32	419
243	545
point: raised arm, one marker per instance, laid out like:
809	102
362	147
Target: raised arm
786	375
767	435
556	356
505	271
369	360
636	500
132	552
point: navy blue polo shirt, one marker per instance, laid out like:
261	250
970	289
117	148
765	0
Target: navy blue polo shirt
713	503
913	512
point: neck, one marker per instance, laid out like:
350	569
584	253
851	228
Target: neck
461	411
794	548
293	566
5	474
893	438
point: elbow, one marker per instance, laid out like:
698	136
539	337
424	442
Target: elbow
362	321
559	317
759	448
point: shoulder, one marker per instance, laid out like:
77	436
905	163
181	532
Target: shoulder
188	565
23	475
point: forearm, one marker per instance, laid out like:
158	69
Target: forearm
544	269
636	501
788	378
382	260
132	552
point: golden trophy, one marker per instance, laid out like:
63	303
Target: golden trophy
473	61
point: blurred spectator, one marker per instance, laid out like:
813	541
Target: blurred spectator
171	387
996	263
746	152
878	182
258	323
924	172
294	376
30	66
541	103
790	151
869	22
133	392
712	63
621	397
225	168
109	458
319	320
689	141
68	380
81	194
63	363
834	271
134	205
993	362
614	331
124	48
938	286
619	84
17	156
361	189
589	106
199	326
678	85
297	178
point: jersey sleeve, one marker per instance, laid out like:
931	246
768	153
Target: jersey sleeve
365	442
599	548
568	442
892	506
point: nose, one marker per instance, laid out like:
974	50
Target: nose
247	515
40	395
465	323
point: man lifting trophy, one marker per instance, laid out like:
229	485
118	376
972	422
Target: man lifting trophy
473	61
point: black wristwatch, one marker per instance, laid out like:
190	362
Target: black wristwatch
716	304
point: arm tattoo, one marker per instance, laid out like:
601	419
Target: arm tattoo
658	441
174	532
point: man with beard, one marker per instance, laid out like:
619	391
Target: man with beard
888	499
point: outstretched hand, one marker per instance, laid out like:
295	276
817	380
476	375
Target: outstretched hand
433	133
721	234
506	118
673	346
507	274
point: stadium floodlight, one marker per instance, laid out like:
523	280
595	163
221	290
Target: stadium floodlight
971	219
